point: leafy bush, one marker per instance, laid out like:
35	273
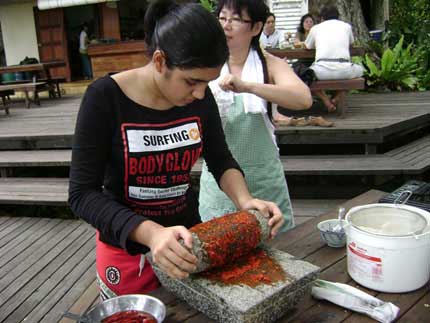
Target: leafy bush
210	5
411	20
396	70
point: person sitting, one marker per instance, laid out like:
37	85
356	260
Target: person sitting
331	39
271	37
306	23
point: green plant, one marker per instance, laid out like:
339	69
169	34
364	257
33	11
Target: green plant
396	70
208	4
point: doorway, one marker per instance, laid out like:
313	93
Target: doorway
75	17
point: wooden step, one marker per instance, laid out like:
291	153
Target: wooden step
10	159
413	158
35	158
34	191
335	165
416	155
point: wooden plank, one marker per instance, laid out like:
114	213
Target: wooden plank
14	226
68	289
52	290
13	280
83	303
6	236
9	221
25	240
343	85
34	158
334	165
293	53
42	191
419	313
22	261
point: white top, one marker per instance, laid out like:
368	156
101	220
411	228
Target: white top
273	41
83	42
331	39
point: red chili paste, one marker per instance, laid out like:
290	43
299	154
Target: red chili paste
252	270
130	317
229	237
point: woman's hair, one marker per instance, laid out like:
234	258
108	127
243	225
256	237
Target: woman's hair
258	11
187	34
301	28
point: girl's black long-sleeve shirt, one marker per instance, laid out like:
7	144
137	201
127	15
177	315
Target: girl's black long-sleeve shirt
131	163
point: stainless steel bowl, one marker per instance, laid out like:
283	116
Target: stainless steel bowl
117	304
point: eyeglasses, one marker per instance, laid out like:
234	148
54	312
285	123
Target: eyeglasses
235	21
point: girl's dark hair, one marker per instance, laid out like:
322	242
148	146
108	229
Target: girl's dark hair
300	28
188	34
258	11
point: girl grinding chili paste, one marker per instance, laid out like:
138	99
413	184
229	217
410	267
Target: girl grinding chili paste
138	134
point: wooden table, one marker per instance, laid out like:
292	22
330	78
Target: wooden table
303	242
39	67
297	53
43	75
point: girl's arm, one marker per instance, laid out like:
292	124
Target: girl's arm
285	88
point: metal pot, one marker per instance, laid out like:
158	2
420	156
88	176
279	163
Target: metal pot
117	304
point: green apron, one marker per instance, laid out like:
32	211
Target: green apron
252	146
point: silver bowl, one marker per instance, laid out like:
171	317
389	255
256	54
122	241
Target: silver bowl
117	304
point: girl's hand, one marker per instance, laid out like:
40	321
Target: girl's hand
233	83
169	254
269	210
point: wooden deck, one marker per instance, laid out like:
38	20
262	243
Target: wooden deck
47	268
371	119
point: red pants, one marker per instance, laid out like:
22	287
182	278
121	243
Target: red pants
120	272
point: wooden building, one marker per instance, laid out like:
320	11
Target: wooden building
49	30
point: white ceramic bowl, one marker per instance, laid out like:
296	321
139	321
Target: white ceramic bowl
117	304
332	238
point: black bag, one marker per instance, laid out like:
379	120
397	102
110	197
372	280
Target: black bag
29	60
306	74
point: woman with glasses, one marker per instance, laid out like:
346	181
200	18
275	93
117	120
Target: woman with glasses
248	82
137	136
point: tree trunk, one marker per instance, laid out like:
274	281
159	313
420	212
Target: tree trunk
349	11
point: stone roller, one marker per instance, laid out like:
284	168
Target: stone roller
226	238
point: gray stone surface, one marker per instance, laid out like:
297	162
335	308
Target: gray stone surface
239	303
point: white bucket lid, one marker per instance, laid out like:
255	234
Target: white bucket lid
388	220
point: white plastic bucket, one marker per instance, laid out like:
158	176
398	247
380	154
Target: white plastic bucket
388	247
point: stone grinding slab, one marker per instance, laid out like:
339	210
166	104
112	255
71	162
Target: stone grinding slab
241	303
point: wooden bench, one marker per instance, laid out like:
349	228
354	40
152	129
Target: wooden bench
26	88
340	85
334	85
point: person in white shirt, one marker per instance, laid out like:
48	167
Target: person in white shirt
83	52
271	37
331	40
